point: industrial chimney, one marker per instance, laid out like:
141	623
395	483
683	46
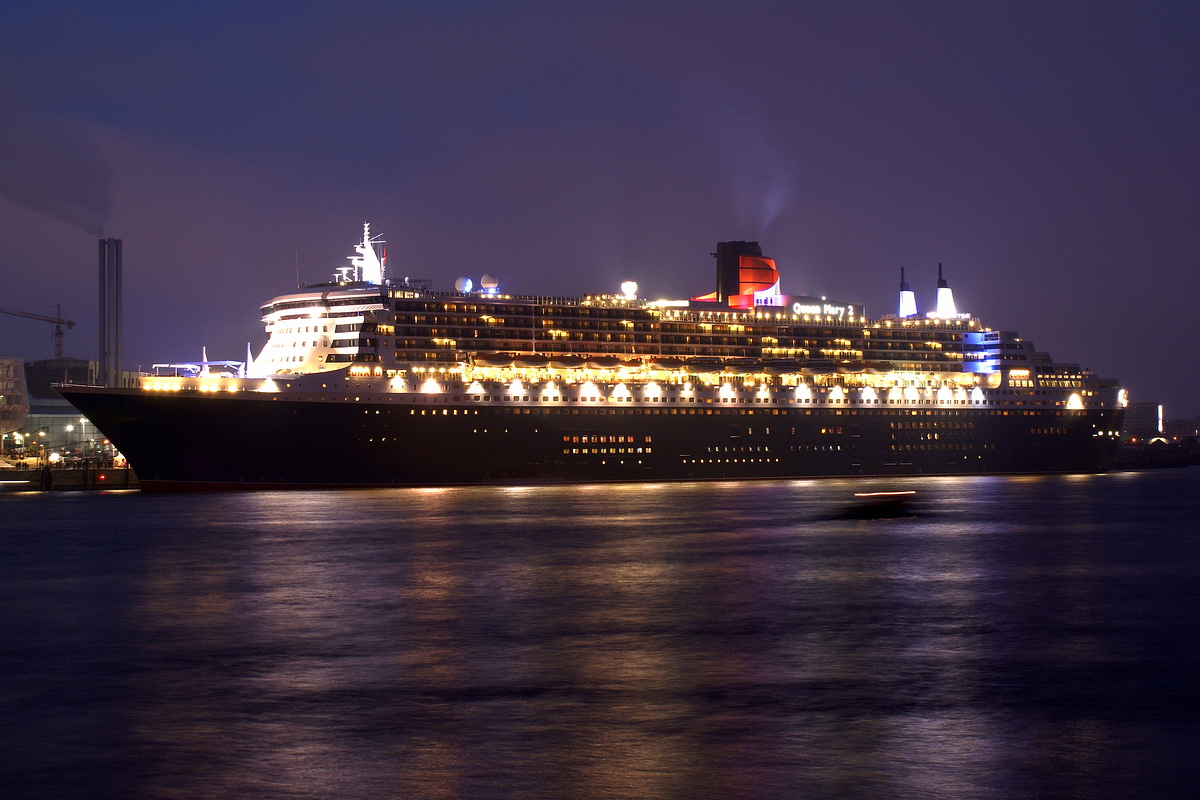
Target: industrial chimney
110	312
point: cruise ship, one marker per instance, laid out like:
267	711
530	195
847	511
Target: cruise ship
368	381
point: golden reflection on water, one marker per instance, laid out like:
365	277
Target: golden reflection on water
590	641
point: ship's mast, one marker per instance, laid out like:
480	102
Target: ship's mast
367	266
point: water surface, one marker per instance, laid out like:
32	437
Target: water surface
1019	637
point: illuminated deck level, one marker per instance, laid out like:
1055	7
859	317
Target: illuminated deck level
558	388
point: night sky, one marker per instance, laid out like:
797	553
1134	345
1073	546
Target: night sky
1046	153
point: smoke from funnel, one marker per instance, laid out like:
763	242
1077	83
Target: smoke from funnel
761	181
773	196
54	169
761	174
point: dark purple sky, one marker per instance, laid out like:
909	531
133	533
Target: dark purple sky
1047	153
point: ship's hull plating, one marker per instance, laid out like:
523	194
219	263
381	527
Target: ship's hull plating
246	440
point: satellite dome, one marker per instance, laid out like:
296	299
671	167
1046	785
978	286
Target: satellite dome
629	288
489	281
463	285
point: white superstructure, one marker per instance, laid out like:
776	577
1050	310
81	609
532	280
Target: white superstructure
322	327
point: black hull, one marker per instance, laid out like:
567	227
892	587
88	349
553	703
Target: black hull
190	440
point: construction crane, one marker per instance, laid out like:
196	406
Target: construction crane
58	321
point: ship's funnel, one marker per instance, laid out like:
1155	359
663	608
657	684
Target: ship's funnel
744	277
908	298
729	267
945	298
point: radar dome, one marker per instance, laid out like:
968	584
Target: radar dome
629	288
489	281
463	285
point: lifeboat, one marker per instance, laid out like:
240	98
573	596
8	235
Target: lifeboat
819	366
566	362
852	367
602	362
878	367
631	363
667	364
531	361
492	360
742	365
781	366
703	364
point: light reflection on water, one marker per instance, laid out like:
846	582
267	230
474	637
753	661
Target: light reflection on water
1018	637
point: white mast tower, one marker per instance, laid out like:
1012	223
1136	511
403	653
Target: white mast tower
367	266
